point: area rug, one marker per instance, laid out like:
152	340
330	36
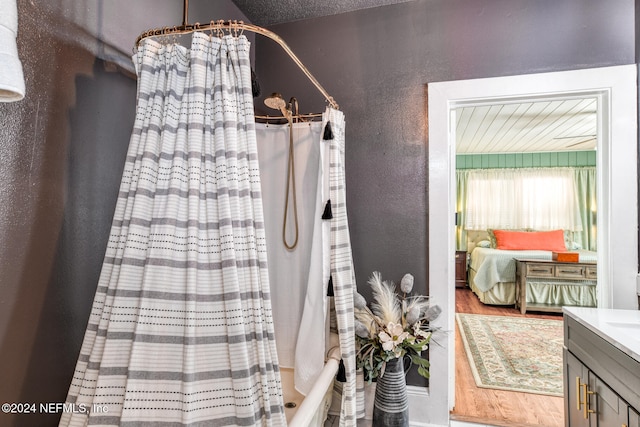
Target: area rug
514	353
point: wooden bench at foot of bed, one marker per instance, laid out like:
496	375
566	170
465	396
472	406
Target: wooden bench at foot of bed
554	274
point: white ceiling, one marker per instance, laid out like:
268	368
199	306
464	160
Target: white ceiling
541	126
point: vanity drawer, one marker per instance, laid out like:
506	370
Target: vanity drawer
570	271
591	272
540	270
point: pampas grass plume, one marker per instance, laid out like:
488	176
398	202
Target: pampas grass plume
386	305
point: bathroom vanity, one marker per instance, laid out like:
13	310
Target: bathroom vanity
601	367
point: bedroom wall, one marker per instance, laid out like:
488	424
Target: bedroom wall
377	63
526	160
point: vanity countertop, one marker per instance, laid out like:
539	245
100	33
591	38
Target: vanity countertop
621	328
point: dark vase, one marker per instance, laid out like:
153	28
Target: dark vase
391	406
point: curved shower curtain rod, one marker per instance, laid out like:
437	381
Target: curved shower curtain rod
233	27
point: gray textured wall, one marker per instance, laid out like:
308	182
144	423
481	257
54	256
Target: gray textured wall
62	151
377	63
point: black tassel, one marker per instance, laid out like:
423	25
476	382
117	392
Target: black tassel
330	287
342	373
327	214
255	86
328	133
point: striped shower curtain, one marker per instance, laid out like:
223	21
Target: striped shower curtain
181	330
342	271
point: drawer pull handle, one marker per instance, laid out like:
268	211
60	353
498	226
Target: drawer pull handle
586	392
578	389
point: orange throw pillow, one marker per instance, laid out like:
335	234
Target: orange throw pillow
530	240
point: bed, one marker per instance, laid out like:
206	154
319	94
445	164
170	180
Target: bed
492	276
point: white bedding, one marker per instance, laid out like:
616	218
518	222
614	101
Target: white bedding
492	266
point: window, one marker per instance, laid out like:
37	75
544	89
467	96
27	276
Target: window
539	199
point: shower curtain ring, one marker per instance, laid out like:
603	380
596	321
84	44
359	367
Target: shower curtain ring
164	37
174	31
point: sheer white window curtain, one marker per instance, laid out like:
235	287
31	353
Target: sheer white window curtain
539	199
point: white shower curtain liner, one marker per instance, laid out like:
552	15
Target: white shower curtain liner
181	329
299	278
290	270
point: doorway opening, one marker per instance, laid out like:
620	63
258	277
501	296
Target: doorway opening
615	88
521	148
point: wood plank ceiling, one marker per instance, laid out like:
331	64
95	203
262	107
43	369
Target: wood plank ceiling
537	126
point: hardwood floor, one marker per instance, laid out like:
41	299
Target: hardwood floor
498	407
